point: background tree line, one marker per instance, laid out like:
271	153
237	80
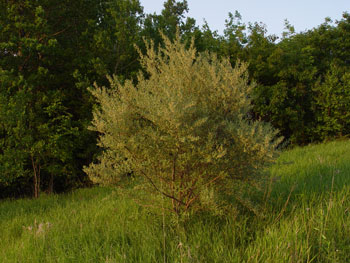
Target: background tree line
51	51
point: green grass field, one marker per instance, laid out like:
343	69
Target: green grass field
307	219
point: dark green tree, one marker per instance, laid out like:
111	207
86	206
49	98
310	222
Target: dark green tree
235	38
294	76
284	94
332	104
36	125
51	51
172	17
114	36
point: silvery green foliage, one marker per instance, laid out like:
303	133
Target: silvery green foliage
183	130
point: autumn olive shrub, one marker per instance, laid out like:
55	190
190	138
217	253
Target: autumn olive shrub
183	130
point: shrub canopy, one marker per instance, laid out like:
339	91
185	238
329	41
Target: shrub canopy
183	130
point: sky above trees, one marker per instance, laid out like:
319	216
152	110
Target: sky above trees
301	14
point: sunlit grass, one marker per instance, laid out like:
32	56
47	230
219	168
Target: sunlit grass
307	219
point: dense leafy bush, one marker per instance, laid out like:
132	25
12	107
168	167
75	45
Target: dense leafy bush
332	104
183	131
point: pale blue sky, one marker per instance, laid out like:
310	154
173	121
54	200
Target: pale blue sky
302	14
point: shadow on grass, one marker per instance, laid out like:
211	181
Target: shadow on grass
10	209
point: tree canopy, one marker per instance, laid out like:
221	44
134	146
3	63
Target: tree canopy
52	51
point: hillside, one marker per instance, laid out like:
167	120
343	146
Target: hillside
305	218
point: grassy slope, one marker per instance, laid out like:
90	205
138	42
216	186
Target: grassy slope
307	220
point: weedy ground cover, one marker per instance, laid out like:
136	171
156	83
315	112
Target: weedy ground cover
305	218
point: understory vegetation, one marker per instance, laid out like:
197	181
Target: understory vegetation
305	218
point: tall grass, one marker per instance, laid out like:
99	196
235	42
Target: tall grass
307	219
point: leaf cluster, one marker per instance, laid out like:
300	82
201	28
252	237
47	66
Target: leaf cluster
182	131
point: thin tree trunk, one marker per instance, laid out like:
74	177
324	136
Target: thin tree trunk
36	178
173	184
50	190
35	185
